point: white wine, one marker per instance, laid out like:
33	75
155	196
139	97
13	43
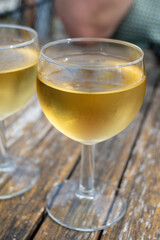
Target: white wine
18	69
94	108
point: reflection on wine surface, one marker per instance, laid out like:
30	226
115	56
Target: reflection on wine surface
89	106
17	79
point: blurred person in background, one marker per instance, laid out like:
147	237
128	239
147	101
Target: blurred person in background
136	21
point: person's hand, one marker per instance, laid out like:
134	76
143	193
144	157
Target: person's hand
92	18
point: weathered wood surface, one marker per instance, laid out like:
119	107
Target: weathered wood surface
131	160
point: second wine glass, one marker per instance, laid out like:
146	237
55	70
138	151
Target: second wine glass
19	55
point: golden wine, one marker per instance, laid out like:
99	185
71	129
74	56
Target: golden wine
94	105
17	79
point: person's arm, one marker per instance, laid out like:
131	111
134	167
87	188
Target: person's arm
92	18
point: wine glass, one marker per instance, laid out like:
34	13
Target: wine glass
90	89
19	55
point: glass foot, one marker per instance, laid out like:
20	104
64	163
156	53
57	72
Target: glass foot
17	178
67	208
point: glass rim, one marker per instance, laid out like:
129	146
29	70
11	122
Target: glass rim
23	44
107	40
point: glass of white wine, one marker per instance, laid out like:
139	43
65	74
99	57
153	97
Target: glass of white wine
19	55
90	89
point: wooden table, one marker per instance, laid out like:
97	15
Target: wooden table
131	159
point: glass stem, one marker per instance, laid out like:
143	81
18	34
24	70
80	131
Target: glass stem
3	151
86	181
5	162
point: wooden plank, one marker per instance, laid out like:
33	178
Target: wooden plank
113	154
142	183
20	216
